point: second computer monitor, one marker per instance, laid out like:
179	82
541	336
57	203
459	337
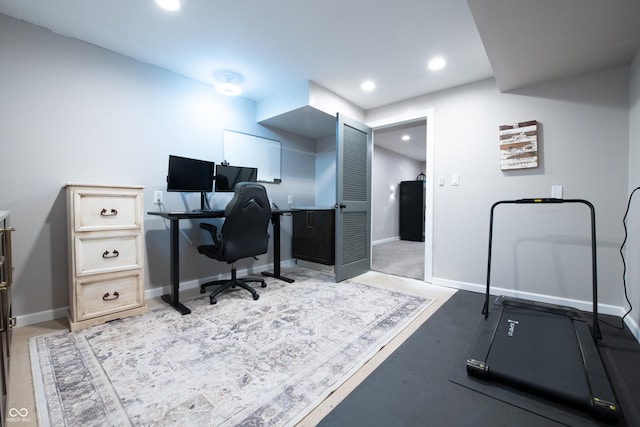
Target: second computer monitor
228	176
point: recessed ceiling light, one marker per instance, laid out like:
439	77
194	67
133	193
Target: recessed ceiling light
406	137
437	63
228	89
171	5
368	85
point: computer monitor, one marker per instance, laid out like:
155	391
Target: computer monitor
190	175
228	176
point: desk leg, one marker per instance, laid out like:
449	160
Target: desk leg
173	299
275	220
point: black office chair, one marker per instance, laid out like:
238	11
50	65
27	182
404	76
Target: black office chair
244	234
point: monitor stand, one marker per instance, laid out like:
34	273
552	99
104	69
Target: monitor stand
203	203
203	200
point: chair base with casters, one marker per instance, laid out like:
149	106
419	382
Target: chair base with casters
225	284
244	235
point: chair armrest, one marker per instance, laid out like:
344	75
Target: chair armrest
212	229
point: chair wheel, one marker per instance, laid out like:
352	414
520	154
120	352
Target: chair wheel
264	285
212	301
202	290
256	296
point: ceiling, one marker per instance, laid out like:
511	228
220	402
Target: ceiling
338	44
415	147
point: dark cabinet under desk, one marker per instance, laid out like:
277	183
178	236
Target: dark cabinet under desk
314	236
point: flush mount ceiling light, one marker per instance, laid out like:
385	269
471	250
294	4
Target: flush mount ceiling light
405	137
368	85
437	63
228	83
228	89
171	5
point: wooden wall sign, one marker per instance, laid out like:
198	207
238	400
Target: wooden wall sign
519	145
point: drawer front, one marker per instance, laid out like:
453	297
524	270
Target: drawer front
100	296
107	210
100	253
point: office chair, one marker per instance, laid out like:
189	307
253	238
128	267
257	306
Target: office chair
244	234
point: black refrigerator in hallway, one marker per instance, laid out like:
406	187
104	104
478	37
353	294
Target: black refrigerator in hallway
412	195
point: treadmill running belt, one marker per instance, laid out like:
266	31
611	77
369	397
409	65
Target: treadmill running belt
539	351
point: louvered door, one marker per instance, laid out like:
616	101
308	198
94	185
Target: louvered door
354	146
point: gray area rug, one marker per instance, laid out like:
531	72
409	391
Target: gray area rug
239	362
400	258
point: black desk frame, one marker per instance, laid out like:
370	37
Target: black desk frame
275	220
173	298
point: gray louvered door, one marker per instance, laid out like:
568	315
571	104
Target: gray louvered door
354	146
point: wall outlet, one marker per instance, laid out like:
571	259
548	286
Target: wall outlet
556	191
157	197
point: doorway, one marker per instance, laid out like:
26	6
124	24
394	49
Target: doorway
396	160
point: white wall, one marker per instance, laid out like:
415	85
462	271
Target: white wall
632	247
73	112
584	134
326	171
388	170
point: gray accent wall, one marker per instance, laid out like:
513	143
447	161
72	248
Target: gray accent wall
73	112
584	140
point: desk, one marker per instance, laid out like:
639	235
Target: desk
173	299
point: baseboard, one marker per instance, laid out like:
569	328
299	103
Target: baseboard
634	328
609	309
41	316
57	313
387	240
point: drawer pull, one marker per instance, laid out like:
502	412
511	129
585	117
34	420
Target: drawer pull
113	254
109	297
112	212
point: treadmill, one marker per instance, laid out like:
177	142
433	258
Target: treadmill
544	348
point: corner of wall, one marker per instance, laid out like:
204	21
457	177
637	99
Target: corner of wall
330	103
633	226
291	99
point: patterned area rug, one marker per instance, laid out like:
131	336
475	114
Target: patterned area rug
239	362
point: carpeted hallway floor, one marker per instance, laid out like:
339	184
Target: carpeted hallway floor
400	258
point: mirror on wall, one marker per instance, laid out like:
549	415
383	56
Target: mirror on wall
242	149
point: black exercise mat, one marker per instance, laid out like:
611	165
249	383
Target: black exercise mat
424	382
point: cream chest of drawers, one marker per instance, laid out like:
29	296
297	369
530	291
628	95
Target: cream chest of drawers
106	253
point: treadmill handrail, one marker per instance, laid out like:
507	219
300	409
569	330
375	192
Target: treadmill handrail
596	327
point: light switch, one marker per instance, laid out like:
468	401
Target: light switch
455	179
441	181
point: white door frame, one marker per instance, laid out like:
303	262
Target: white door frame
427	114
